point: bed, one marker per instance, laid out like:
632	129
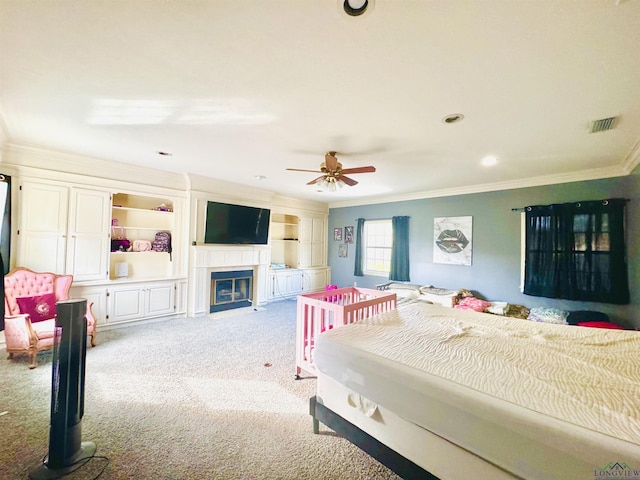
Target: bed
436	392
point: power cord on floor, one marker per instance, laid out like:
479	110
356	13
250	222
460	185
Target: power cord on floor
74	467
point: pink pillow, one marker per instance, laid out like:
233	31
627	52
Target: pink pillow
472	303
613	326
39	308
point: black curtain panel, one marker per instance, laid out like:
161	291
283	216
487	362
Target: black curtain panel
576	251
399	270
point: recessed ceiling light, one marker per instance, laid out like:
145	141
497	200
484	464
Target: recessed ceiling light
453	118
259	177
355	8
489	161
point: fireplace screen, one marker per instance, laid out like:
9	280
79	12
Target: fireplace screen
231	290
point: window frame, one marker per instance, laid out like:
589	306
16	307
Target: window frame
387	222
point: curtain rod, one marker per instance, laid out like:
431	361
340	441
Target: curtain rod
384	218
604	202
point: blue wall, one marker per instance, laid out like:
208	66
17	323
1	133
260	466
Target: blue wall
495	271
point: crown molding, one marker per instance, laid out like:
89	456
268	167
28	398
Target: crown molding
632	160
30	157
585	175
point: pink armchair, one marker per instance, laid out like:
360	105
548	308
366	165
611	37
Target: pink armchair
30	333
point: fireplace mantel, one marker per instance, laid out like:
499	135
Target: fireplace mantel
212	258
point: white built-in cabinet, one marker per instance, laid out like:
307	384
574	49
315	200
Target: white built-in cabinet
312	233
296	281
64	230
298	243
134	301
315	279
67	229
137	301
284	283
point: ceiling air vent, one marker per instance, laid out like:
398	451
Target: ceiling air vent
603	124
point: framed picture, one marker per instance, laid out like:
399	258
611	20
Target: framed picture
452	240
348	234
337	234
342	250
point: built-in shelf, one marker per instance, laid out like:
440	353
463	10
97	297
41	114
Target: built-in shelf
284	239
140	217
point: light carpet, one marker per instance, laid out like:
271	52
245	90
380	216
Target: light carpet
190	398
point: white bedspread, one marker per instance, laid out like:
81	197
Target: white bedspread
583	377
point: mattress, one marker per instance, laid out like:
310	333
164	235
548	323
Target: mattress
537	400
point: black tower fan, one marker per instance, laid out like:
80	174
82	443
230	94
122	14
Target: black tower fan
66	449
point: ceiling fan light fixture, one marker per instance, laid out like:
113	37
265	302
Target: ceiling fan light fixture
330	184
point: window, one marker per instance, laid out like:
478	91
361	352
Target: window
377	243
577	251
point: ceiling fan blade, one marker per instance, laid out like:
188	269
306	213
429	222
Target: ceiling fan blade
359	170
330	161
300	170
312	182
349	181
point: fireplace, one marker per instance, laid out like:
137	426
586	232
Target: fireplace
231	290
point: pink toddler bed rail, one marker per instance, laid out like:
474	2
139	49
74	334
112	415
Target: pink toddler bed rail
320	311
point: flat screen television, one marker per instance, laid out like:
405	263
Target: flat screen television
230	224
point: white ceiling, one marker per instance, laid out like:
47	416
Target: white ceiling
240	88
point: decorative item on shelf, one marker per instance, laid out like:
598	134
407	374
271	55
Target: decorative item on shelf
118	241
141	246
122	269
163	208
162	243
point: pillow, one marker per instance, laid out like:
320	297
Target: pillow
613	326
39	308
548	315
516	311
471	303
402	286
497	308
580	316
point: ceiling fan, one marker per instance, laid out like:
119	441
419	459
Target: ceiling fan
333	175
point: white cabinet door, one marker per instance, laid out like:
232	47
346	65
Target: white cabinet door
126	303
96	296
305	234
312	232
42	227
315	279
318	242
160	299
88	239
64	230
285	283
137	301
